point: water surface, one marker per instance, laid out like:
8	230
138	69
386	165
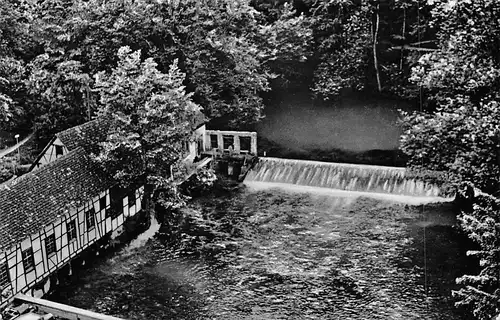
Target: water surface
354	123
288	255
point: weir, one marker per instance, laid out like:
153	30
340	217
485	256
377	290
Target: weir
340	176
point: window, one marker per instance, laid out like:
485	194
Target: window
108	213
131	198
71	230
228	141
59	150
50	245
200	147
245	143
104	206
4	275
116	195
28	261
214	142
90	218
102	203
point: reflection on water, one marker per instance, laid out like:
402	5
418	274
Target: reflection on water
145	236
353	124
297	256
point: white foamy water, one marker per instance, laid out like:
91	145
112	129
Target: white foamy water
413	200
383	182
145	236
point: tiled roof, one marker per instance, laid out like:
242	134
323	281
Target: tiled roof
86	135
40	197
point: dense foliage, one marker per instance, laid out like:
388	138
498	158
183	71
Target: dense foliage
483	226
52	49
360	45
229	50
151	116
462	137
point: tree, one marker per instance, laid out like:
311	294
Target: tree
60	95
151	116
16	46
468	61
483	290
343	45
216	42
286	41
369	45
5	102
462	136
462	79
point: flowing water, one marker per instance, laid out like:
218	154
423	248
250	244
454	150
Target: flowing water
339	176
283	254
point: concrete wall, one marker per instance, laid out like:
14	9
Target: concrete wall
196	144
233	140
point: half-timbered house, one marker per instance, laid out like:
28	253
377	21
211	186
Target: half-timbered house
62	207
52	214
89	134
86	135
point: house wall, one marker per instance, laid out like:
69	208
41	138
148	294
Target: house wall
50	154
22	281
196	144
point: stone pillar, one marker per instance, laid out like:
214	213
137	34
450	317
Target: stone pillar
220	142
236	144
206	142
253	143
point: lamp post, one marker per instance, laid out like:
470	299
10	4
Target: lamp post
18	154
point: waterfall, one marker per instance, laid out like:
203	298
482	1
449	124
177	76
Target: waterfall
340	176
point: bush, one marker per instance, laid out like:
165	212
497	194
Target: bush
482	292
202	181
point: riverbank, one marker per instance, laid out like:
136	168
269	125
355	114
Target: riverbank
276	255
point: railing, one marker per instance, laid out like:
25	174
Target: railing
238	142
62	310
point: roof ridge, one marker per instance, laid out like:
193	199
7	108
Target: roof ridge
81	125
87	134
42	169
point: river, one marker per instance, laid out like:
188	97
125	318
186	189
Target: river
353	123
286	255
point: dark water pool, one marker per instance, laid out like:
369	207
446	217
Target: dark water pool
288	256
353	123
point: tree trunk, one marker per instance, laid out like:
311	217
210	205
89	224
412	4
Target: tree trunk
403	35
148	202
375	38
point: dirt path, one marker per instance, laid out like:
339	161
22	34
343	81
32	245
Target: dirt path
6	151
